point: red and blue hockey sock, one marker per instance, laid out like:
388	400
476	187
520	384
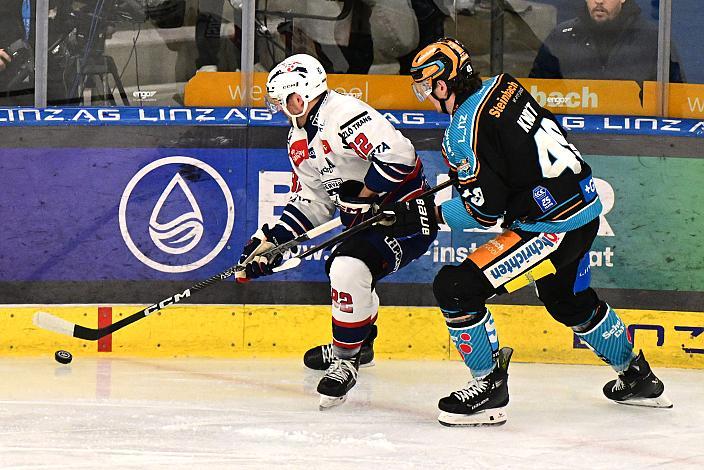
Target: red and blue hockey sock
475	338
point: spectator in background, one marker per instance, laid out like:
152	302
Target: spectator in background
387	28
609	40
431	26
358	50
383	32
208	23
4	59
374	33
12	25
17	36
358	36
16	25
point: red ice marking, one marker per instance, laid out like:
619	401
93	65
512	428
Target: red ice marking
466	348
465	337
105	319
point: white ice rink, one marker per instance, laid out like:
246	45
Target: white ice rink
232	414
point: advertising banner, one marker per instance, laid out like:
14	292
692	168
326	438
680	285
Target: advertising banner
614	97
380	91
593	96
670	338
394	92
261	117
686	100
88	214
642	230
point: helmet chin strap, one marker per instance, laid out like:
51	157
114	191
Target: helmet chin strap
293	117
442	101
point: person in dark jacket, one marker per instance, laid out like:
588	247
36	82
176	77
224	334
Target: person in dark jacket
11	28
609	40
17	41
16	32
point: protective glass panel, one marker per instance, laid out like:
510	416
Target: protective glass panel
349	36
17	31
133	52
686	63
687	35
599	40
503	35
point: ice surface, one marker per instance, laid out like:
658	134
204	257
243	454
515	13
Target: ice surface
212	413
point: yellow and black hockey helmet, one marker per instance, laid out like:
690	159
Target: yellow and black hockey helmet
445	59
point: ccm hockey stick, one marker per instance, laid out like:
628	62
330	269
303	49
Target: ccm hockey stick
382	218
50	322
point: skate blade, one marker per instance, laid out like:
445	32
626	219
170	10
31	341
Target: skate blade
327	402
658	402
368	364
492	417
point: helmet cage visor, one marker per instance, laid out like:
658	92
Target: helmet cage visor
277	104
423	89
273	104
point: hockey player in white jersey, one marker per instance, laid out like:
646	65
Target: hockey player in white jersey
344	155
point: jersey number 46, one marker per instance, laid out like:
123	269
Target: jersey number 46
555	154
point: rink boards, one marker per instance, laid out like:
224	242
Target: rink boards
90	202
671	339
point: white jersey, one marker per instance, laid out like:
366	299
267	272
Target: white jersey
346	139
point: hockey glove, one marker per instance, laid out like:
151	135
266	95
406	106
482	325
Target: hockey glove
257	264
416	216
353	208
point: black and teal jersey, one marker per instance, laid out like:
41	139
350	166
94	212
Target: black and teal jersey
512	161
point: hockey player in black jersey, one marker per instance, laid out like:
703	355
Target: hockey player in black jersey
515	167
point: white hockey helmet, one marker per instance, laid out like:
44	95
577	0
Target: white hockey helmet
300	73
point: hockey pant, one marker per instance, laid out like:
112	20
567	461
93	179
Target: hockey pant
354	268
558	264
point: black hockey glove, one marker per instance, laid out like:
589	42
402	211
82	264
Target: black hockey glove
412	217
354	209
255	265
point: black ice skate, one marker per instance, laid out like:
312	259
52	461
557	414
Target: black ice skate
638	386
482	402
337	381
320	357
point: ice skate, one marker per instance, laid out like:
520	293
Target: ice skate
337	381
483	401
638	386
320	357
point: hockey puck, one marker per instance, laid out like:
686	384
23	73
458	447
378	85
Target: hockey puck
64	357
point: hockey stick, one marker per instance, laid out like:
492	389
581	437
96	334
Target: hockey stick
382	218
50	322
